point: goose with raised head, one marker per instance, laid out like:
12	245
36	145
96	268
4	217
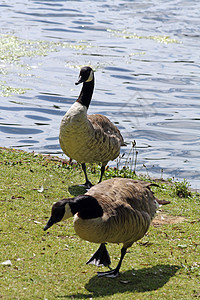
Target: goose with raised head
117	210
88	138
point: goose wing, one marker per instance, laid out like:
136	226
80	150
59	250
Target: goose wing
100	122
123	191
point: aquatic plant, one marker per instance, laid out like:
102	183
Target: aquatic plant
13	49
6	91
158	38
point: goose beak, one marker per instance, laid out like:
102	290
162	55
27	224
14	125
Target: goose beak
49	224
79	80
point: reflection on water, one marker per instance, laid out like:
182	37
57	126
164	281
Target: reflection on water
146	57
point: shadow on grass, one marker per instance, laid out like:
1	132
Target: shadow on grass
76	190
143	280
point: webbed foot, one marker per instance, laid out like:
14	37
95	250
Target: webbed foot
115	272
100	257
87	185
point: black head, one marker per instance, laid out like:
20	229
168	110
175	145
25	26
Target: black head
86	75
85	205
59	210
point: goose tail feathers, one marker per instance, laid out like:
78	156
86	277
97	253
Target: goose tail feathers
100	257
124	144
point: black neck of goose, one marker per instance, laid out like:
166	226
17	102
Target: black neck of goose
86	93
86	206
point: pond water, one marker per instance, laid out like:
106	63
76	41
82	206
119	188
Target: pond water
146	57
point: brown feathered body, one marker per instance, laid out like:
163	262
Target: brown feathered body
128	207
89	138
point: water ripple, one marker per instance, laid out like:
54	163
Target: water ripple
19	130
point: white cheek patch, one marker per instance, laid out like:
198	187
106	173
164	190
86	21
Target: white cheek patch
90	78
68	212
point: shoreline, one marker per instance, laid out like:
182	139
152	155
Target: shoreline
68	161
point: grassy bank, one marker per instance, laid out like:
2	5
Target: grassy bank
51	265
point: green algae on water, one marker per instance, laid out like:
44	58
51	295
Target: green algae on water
12	48
12	51
6	91
158	38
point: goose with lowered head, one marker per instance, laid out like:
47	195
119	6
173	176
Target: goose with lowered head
117	210
88	138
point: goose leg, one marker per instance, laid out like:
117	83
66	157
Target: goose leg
115	272
102	172
100	257
87	184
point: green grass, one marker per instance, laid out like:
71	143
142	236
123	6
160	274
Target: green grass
51	265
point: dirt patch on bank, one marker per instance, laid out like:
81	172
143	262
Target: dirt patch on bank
163	219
